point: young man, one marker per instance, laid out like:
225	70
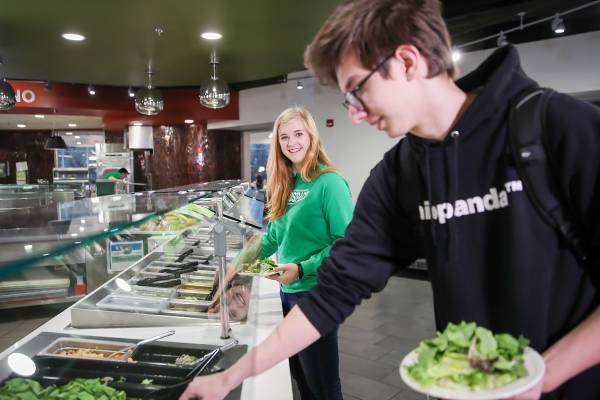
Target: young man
492	258
119	175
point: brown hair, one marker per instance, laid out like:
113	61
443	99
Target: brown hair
374	29
280	178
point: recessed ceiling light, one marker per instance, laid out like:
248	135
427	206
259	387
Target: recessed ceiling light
68	133
136	123
39	116
77	137
75	37
21	126
72	125
189	121
211	35
78	142
456	55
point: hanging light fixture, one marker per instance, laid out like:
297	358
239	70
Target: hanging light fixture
558	25
7	94
149	100
502	41
214	92
55	142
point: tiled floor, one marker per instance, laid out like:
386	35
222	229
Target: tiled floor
379	334
18	322
372	341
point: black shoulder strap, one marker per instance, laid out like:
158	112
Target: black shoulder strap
526	128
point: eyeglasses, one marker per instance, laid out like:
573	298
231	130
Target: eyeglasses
351	98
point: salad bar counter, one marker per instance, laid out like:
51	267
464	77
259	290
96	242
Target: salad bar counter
75	364
164	263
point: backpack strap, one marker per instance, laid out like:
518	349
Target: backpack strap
526	127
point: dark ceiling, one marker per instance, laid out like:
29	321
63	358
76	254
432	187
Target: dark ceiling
261	38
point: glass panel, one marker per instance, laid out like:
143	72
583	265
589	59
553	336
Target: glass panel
144	260
259	152
68	225
75	157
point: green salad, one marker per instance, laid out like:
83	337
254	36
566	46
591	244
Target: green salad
77	389
260	266
467	356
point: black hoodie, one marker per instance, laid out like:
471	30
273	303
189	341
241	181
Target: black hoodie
492	259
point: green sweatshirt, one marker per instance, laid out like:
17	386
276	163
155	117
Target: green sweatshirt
317	215
113	174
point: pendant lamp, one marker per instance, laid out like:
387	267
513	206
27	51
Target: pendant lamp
149	100
214	92
7	94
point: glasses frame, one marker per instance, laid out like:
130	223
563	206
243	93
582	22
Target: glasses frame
352	96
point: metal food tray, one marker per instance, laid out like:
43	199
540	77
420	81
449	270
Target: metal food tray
183	302
132	303
156	269
190	314
202	273
197	286
147	274
98	346
194	277
150	291
199	293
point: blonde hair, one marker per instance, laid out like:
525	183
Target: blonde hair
280	178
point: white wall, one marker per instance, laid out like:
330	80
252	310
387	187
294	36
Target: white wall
355	149
569	64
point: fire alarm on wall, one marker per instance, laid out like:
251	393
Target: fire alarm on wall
329	123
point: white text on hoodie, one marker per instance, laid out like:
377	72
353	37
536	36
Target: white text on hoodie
493	200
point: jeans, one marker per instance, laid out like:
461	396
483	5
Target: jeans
315	369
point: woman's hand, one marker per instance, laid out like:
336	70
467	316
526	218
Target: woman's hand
289	273
211	387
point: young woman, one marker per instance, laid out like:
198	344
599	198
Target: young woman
309	208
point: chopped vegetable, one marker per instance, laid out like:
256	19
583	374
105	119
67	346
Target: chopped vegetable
467	356
147	381
260	266
22	389
186	359
77	389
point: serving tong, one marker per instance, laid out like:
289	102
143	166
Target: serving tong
206	361
135	346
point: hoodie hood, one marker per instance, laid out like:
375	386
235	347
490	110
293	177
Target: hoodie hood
497	80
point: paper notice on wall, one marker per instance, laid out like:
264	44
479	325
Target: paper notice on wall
21	167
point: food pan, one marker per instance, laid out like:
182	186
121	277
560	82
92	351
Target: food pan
188	312
86	349
200	286
156	269
182	294
150	291
196	278
194	305
161	354
132	303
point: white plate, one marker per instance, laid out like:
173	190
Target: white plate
263	275
533	362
